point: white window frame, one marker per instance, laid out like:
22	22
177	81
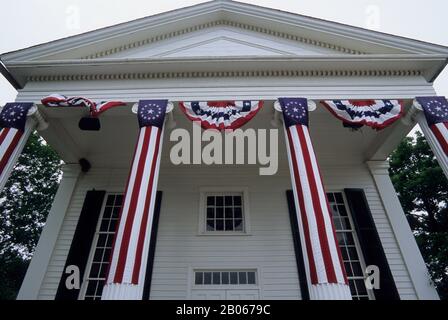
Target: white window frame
355	238
83	289
202	226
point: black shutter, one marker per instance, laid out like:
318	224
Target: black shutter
152	246
371	246
82	241
297	245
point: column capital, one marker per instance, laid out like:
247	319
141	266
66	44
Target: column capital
378	167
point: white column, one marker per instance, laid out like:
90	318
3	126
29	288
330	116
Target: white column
433	142
127	269
324	267
403	233
47	241
13	141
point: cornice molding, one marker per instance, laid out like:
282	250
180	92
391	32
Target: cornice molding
165	36
227	74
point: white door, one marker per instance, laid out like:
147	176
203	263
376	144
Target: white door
251	294
208	294
225	294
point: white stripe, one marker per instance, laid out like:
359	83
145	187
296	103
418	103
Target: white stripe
326	215
7	141
139	210
443	130
308	203
148	230
125	211
298	211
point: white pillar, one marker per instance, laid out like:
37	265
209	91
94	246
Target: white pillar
324	267
432	141
402	231
127	271
47	241
12	142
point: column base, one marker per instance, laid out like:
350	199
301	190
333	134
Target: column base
330	291
121	291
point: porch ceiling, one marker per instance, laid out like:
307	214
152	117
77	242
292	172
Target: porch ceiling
113	145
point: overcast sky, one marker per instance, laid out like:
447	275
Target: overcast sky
26	23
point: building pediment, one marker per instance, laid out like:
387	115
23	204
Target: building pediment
213	30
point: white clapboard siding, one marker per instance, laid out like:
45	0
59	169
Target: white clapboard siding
268	248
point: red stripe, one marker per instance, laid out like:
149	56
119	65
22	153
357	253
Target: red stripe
440	137
143	225
3	134
117	227
131	213
333	228
306	229
12	146
322	232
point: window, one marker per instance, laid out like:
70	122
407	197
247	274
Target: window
224	212
226	277
99	256
350	249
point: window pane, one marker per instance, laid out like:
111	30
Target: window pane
361	287
219	201
116	212
104	225
251	277
338	197
238	214
207	277
107	212
219	213
94	271
330	197
233	277
210	225
357	270
225	278
110	200
102	240
228	200
236	200
118	200
112	225
242	276
216	278
228	213
219	224
229	224
342	211
210	200
238	225
210	213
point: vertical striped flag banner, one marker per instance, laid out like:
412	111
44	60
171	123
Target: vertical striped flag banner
15	130
131	244
434	124
323	261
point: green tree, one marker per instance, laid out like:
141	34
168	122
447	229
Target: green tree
423	191
24	205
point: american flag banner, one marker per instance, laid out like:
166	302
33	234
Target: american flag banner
323	261
131	243
13	119
95	108
221	115
377	114
436	114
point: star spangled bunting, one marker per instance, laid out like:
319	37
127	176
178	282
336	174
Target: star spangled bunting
221	115
13	115
377	114
295	111
95	108
436	114
151	113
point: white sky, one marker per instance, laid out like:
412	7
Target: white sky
26	23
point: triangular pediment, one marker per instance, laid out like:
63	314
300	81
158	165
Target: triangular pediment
222	41
213	30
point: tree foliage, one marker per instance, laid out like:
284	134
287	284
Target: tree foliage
24	205
423	191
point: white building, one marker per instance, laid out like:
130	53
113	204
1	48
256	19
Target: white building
225	50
